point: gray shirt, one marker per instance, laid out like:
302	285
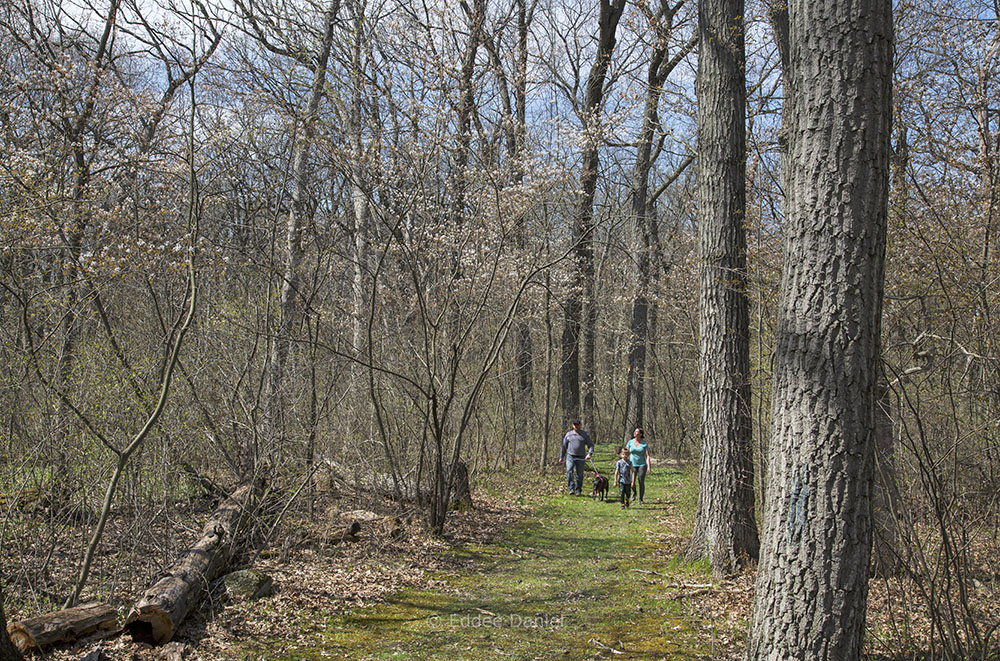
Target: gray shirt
576	444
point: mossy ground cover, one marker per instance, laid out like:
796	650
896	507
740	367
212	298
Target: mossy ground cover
576	579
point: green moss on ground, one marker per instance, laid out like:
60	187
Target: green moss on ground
575	576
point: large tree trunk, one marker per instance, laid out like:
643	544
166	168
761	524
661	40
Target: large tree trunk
812	582
156	616
725	528
581	294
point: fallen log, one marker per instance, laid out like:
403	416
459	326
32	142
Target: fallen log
63	626
407	489
155	617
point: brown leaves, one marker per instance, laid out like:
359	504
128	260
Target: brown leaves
315	578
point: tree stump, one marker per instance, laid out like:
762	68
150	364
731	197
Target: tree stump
461	493
346	534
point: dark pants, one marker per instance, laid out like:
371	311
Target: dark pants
639	484
623	492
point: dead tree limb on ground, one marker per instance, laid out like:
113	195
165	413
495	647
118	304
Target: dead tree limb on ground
63	626
155	617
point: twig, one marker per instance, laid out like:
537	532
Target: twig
695	593
605	647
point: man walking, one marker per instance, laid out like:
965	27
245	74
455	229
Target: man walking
577	446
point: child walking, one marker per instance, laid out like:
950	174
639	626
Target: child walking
623	477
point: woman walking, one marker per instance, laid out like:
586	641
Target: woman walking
639	458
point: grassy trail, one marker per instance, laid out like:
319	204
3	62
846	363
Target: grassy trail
573	580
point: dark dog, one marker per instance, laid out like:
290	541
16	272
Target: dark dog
600	486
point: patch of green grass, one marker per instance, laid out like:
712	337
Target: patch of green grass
680	565
573	577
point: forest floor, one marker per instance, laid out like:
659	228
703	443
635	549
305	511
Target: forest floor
575	579
530	573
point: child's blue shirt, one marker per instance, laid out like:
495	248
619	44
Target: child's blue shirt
624	470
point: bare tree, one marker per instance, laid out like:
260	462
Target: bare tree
812	582
291	294
647	261
513	97
580	319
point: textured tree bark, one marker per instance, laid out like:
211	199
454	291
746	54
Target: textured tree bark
155	617
812	582
62	626
725	528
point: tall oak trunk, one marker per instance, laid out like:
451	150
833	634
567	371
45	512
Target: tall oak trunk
812	582
725	528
